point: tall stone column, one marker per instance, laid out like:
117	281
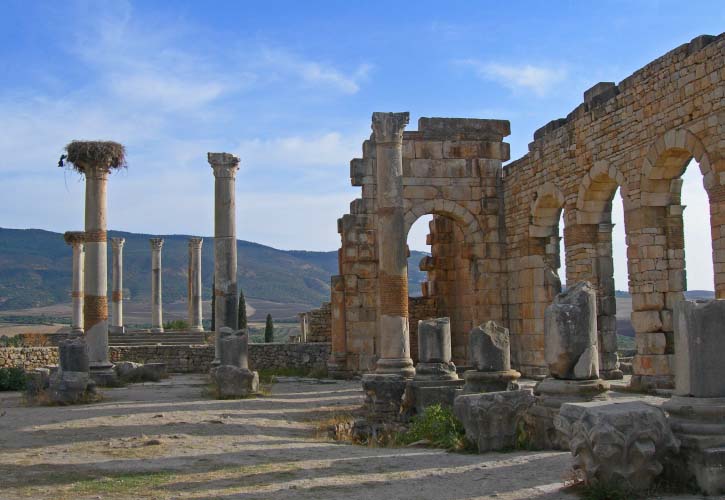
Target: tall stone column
75	239
117	286
157	320
95	160
392	250
194	277
225	166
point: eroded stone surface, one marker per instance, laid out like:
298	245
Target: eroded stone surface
619	443
570	334
490	348
494	421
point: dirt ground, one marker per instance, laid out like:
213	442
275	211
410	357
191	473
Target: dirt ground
167	440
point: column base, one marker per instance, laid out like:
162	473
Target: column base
478	382
77	331
395	366
196	328
117	329
157	330
550	394
611	374
699	424
104	375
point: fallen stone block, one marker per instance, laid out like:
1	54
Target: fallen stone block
231	382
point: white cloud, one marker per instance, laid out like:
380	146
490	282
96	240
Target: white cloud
538	79
314	73
329	149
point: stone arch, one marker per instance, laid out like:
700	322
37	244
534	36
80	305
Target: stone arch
667	158
597	189
546	210
472	230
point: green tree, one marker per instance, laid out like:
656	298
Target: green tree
269	330
242	314
213	305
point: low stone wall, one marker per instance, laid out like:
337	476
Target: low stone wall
184	359
28	357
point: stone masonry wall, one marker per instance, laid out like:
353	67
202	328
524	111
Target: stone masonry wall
319	324
419	308
637	136
451	168
183	359
28	357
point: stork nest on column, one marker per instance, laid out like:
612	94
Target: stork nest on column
105	154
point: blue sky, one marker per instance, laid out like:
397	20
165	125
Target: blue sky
290	87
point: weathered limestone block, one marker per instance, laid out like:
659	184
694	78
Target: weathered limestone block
72	382
234	382
623	443
490	353
490	348
699	348
570	334
494	420
37	382
128	371
434	350
697	411
384	397
234	349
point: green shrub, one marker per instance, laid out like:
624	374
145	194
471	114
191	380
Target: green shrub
12	379
438	425
15	341
177	324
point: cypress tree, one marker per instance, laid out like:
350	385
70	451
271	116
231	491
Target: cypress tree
242	314
269	330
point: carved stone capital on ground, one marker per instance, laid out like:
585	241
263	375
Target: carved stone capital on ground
495	420
223	164
388	127
622	443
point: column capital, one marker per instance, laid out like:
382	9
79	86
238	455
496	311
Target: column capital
117	243
156	243
74	237
224	164
195	242
388	127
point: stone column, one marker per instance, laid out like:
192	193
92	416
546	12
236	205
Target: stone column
194	277
225	166
95	306
157	320
75	239
117	286
392	249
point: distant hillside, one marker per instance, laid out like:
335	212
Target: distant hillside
35	269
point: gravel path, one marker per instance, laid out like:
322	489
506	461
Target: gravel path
166	440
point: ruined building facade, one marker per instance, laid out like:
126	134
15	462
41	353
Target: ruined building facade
495	232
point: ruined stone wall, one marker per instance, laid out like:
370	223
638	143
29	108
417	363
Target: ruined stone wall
637	136
451	168
184	359
319	324
28	357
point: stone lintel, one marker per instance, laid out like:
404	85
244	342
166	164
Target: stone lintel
463	129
